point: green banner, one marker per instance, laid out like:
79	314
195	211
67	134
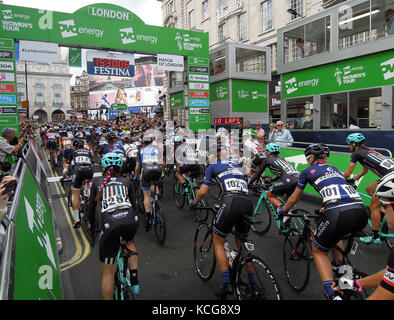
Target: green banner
37	271
220	91
373	70
119	106
249	96
100	25
338	160
75	57
177	100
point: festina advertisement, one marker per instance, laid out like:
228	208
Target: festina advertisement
110	64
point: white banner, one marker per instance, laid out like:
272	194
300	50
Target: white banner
198	86
7	77
42	52
170	62
7	65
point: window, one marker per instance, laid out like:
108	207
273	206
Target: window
298	6
170	7
176	79
252	61
334	111
222	4
222	33
205	10
242	27
365	107
192	22
57	96
266	13
39	99
300	113
21	93
217	62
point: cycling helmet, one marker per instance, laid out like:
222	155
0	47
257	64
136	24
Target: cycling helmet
385	187
102	142
355	137
78	142
272	147
111	159
111	136
222	133
317	149
179	139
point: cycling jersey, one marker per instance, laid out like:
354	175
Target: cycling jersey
82	167
149	155
185	154
66	143
278	166
372	160
388	278
329	182
51	136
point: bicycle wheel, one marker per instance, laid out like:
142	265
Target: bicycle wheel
254	280
70	204
160	224
389	239
178	194
204	254
297	257
263	213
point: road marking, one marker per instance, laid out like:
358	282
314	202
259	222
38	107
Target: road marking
57	178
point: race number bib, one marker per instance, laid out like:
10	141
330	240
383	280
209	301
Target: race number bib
114	202
147	158
82	160
236	185
67	143
332	193
387	164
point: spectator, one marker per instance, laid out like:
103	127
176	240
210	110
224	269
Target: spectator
272	127
248	128
304	49
9	145
281	136
258	128
4	197
389	17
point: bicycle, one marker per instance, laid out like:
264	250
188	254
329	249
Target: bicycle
158	218
297	253
261	286
123	288
83	211
265	210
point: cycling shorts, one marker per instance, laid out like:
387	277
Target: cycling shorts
51	145
194	169
388	278
230	214
128	166
68	154
81	173
116	225
337	222
285	187
149	173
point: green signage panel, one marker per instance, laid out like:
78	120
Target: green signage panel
119	106
177	100
37	271
373	70
249	96
103	26
220	91
75	57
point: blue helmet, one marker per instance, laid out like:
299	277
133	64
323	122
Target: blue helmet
355	137
272	147
111	159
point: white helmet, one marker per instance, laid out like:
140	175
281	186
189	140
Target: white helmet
222	133
385	187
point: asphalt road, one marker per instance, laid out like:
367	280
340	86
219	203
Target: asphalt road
167	273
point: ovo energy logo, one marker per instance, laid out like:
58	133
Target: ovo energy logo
127	35
388	69
291	85
68	28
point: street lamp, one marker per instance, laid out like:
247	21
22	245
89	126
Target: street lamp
292	11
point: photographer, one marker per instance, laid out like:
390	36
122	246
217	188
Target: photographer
5	194
9	145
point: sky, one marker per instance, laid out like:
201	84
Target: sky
148	10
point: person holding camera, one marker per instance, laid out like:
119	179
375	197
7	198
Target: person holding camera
9	145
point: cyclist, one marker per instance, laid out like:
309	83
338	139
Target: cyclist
343	211
282	170
378	164
67	148
149	167
51	144
235	204
131	151
82	170
382	280
119	218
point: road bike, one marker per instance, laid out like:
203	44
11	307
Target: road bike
123	288
158	219
251	277
297	253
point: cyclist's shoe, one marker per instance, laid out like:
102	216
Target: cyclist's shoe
136	289
148	223
225	290
255	292
370	239
334	297
77	224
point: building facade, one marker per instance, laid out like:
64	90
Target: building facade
46	87
80	92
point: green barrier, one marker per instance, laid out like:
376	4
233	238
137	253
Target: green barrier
37	271
339	160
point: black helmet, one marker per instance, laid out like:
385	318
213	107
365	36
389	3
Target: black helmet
78	142
111	136
317	149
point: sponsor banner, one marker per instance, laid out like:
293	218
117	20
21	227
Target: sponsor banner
7	77
358	73
177	100
198	103
249	96
198	86
198	61
75	57
6	54
199	111
110	64
7	65
7	99
170	62
6	43
198	69
43	52
199	77
220	91
8	109
7	87
199	94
